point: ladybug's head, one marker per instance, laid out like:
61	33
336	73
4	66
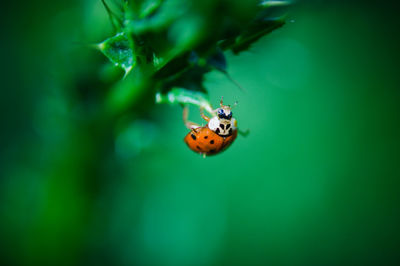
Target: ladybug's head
223	123
224	112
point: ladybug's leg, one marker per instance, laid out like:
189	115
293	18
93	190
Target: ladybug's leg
203	115
188	124
244	133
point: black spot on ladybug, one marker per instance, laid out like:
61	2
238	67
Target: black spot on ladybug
222	126
198	148
212	142
212	150
193	137
217	131
230	131
228	126
205	137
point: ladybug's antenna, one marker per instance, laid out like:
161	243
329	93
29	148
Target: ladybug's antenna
221	104
234	105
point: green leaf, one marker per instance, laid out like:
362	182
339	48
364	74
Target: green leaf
271	3
217	60
148	7
157	61
154	16
255	31
114	19
183	96
270	17
119	50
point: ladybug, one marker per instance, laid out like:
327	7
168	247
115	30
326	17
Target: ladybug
216	136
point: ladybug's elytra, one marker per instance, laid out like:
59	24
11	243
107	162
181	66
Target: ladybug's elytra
216	136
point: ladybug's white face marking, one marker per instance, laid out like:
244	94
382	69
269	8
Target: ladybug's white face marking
213	124
223	127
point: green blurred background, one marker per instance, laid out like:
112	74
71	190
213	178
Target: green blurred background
315	183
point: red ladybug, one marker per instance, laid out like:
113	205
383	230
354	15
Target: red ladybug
216	136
